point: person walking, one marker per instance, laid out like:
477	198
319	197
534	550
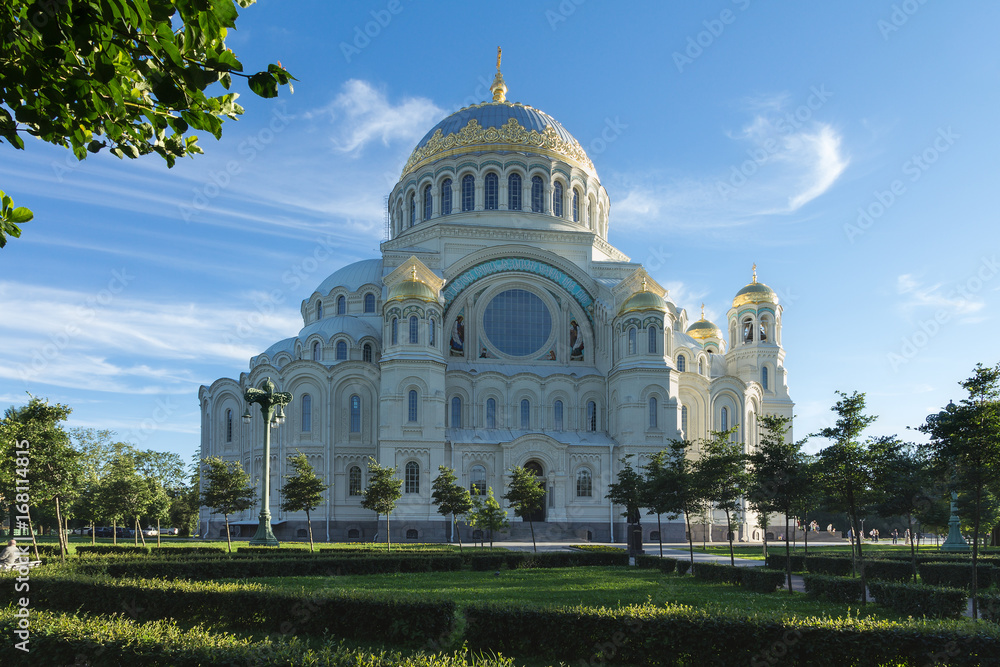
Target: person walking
9	556
895	535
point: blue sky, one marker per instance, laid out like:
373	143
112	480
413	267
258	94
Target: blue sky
848	149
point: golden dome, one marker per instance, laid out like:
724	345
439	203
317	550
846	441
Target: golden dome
412	289
755	292
643	300
703	329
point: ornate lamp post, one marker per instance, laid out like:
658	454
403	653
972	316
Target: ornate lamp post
271	404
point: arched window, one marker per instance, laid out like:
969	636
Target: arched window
477	480
307	413
525	414
514	192
446	197
354	481
411	406
317	351
319	310
491	413
411	478
748	330
492	202
355	414
591	416
763	377
681	363
763	331
369	303
431	333
684	418
395	330
229	425
557	415
341	305
428	203
413	210
341	350
456	412
537	193
368	352
576	205
653	417
414	323
468	193
725	419
701	367
584	483
631	340
557	199
652	333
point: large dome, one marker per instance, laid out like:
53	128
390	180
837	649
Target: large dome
498	126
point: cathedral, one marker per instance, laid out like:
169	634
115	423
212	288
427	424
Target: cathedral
499	328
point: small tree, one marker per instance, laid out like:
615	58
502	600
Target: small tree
723	472
381	494
670	485
227	490
629	491
126	492
158	508
451	498
487	515
524	495
303	490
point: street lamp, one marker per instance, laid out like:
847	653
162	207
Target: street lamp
272	404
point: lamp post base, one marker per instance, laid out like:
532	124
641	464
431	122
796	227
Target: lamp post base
264	537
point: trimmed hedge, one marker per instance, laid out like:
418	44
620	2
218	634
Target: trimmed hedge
682	635
347	614
683	565
762	580
831	565
989	607
955	575
888	570
834	589
664	564
63	639
717	573
230	568
188	551
920	600
776	561
108	549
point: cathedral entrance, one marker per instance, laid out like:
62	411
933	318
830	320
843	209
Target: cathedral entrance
539	514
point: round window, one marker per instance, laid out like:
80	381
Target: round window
517	323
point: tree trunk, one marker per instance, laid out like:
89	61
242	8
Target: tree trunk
805	542
229	539
729	535
659	532
310	524
788	555
913	553
531	525
93	533
31	529
861	562
690	537
388	538
458	531
114	532
975	553
62	551
157	532
138	531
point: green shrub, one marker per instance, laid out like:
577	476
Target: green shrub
683	565
347	614
834	589
762	580
955	575
188	551
109	549
63	639
487	562
682	635
776	561
989	607
831	565
920	600
664	564
717	572
888	570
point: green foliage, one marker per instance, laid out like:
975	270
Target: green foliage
664	564
761	580
989	607
107	549
779	561
722	478
683	566
303	490
837	566
129	77
525	496
382	492
717	573
251	606
834	589
628	490
11	218
487	515
227	489
102	641
888	570
955	575
670	486
451	497
920	600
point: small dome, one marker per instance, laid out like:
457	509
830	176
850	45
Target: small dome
643	301
755	292
412	289
703	330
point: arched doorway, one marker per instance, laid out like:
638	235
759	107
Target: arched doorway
536	468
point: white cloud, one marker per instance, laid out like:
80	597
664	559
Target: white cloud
917	295
363	114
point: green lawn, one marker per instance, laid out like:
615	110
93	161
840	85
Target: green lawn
589	586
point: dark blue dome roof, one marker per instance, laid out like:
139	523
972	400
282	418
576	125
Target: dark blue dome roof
495	114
